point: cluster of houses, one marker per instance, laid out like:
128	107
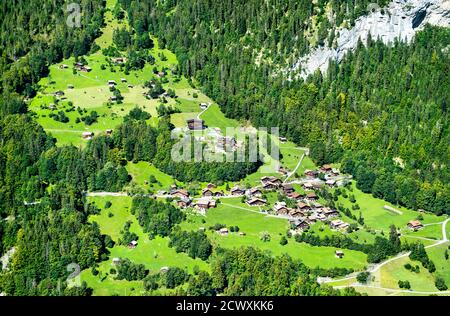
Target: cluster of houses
183	199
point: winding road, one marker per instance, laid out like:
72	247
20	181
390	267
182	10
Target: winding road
377	267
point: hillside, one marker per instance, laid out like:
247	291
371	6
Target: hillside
118	176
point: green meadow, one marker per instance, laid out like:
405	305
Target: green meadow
154	254
378	218
232	212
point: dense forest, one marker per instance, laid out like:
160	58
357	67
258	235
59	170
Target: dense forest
43	38
375	112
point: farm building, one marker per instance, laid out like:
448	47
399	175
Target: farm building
295	196
415	225
288	188
223	231
116	261
195	124
133	244
339	224
255	192
339	254
184	202
299	224
302	206
312	197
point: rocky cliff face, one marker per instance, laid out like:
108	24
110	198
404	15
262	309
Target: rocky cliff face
401	19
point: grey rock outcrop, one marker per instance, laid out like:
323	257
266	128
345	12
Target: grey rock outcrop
401	19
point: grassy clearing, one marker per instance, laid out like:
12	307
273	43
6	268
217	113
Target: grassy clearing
436	254
392	272
142	171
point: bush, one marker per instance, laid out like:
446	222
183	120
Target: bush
283	241
108	204
363	277
404	285
440	284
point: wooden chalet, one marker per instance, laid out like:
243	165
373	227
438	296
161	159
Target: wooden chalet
303	207
331	183
296	213
312	197
326	168
255	192
299	224
223	231
330	213
133	244
184	202
338	224
272	179
256	202
311	173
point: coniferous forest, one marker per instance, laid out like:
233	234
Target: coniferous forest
381	114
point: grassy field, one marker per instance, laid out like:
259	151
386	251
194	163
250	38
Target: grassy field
154	254
391	273
90	91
